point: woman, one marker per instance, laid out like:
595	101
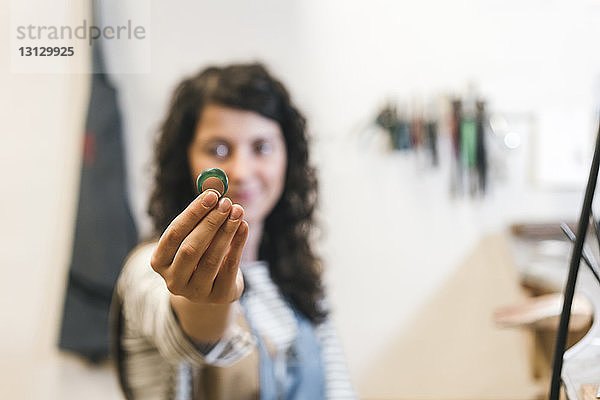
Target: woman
233	306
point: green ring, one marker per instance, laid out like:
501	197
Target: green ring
209	173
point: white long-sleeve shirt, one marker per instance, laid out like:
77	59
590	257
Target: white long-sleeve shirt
160	360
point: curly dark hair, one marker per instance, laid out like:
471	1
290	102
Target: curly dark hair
293	266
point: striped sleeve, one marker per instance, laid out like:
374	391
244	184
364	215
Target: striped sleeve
338	385
147	312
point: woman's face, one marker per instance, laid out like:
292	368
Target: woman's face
250	149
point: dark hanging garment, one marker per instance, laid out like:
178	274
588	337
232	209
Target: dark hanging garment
104	232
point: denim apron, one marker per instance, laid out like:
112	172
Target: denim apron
296	374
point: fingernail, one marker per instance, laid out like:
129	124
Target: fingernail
209	199
236	213
224	204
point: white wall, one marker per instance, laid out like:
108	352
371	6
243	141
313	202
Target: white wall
41	136
389	252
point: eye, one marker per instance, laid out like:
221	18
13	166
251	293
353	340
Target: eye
219	150
222	150
264	147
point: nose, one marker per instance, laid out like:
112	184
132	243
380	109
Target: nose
240	167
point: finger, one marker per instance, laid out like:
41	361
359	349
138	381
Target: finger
194	245
227	285
180	227
211	260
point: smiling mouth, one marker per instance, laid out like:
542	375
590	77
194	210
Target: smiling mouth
243	196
